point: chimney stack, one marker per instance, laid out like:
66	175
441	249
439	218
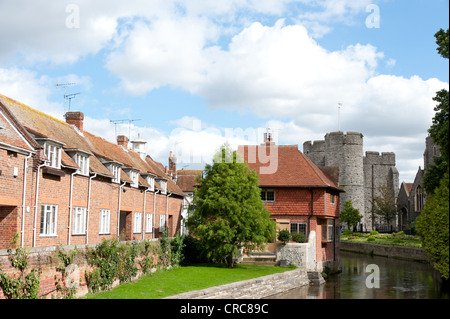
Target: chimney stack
173	165
75	118
122	140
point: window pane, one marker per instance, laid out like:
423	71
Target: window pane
270	196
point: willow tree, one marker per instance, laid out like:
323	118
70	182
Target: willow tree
227	212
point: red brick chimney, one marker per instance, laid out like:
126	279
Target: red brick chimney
75	118
123	141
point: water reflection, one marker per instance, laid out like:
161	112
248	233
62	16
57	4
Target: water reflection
398	279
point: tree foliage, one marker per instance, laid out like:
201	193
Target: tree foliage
432	224
433	227
350	215
227	212
384	204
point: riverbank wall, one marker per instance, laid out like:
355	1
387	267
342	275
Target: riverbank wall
256	288
409	253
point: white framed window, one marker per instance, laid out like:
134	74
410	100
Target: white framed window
105	217
115	170
163	186
83	162
268	195
149	223
137	222
298	228
49	214
327	231
53	154
134	175
151	182
79	221
333	199
162	223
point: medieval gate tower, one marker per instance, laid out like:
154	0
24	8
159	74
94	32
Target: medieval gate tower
360	176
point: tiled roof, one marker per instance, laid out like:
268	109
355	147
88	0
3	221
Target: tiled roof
187	179
293	168
45	126
11	134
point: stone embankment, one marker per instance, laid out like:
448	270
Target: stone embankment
256	288
410	253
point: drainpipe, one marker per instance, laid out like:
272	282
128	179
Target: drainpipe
88	207
36	202
25	167
167	211
312	211
143	213
154	213
118	209
70	207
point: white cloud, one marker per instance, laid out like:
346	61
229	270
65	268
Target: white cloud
27	87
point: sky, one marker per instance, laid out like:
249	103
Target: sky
189	75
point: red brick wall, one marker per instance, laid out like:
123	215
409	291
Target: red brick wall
297	206
55	190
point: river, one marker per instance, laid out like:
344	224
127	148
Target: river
386	278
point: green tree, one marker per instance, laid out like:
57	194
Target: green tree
350	215
439	129
432	225
384	204
227	212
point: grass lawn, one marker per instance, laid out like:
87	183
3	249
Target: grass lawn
182	279
384	239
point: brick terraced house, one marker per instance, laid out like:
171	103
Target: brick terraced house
300	196
61	185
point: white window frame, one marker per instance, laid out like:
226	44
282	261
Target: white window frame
137	225
151	182
297	227
149	223
333	199
115	170
53	154
162	223
163	185
83	162
105	221
49	220
79	221
264	192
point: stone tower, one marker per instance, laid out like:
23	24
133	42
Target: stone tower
360	176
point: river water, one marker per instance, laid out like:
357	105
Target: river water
385	278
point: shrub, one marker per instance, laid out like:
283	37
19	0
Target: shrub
370	238
299	237
374	232
284	236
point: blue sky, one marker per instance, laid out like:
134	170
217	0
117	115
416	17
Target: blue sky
194	74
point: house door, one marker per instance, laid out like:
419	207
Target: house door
124	231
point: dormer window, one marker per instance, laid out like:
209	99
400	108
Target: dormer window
134	175
163	184
81	158
151	181
115	170
53	154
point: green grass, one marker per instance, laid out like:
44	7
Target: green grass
166	283
384	239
